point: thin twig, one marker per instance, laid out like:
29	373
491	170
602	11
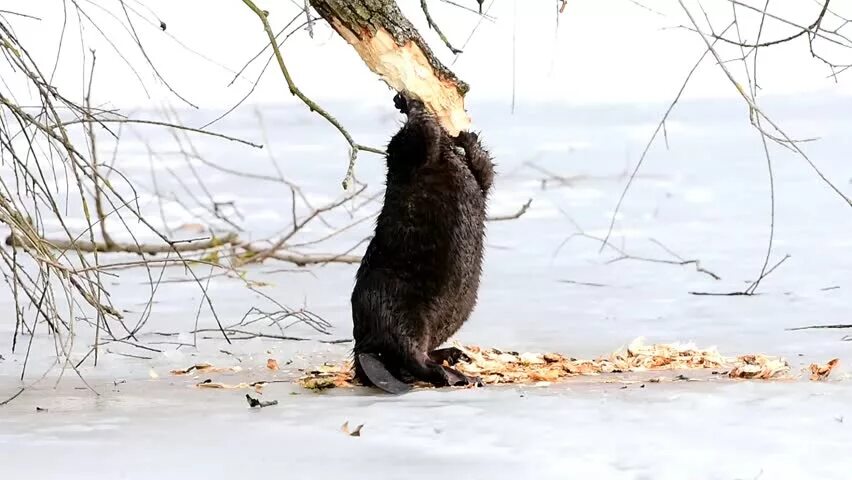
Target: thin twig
16	395
659	128
313	106
434	26
164	124
813	327
512	216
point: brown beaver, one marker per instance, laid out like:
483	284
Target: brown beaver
419	277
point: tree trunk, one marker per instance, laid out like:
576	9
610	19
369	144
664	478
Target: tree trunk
394	50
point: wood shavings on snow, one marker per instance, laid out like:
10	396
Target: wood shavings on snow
821	372
494	366
759	367
205	368
328	375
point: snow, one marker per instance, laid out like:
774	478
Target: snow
704	198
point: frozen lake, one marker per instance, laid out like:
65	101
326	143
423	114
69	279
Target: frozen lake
706	197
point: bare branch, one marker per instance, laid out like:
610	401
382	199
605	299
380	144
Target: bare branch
435	27
354	147
513	216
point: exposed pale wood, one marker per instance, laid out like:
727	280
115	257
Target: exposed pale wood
393	49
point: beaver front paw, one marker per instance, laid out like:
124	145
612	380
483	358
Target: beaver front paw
407	103
466	139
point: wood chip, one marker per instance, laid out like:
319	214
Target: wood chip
354	433
759	367
821	372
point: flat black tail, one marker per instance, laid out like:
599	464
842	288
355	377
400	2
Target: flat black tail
379	376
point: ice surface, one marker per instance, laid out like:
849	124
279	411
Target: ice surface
706	198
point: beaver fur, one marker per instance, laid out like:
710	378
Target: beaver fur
419	278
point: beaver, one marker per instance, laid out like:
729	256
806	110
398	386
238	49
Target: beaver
419	278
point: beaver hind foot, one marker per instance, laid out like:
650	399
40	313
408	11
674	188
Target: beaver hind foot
379	376
373	371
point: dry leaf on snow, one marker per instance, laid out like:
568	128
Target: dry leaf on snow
354	433
821	372
328	375
272	364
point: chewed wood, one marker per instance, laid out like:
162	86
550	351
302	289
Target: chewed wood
494	366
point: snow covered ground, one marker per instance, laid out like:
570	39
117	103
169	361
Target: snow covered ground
705	198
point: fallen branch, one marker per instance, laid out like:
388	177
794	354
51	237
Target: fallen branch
623	255
16	395
248	335
749	292
120	247
260	255
812	327
303	260
696	263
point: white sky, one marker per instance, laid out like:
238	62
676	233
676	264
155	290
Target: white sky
604	51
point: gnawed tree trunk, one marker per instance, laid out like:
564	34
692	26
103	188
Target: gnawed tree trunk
393	49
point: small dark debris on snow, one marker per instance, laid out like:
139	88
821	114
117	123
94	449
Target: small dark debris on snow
39	409
232	355
255	403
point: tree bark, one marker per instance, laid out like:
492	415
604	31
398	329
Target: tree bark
394	50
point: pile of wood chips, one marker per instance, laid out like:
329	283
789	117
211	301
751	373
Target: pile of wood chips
493	366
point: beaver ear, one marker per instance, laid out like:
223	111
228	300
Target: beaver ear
408	104
400	101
